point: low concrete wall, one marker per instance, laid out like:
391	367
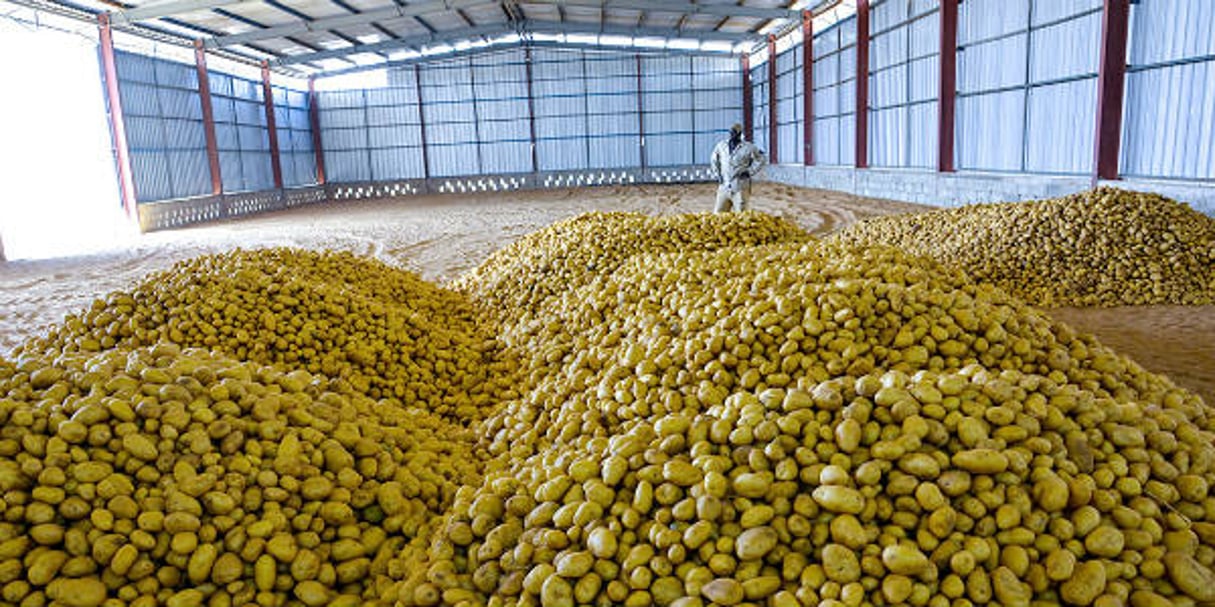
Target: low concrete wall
169	214
955	189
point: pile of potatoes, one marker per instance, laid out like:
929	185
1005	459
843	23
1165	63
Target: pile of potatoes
517	279
1106	247
618	410
168	476
812	424
385	331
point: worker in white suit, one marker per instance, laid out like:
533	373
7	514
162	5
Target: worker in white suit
735	161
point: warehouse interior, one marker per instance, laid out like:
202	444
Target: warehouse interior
424	302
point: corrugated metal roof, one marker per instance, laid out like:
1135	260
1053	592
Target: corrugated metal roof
305	37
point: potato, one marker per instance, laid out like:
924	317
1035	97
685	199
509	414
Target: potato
903	559
755	543
839	499
1190	576
724	591
79	592
1085	585
840	564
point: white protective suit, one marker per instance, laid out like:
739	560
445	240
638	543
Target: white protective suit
734	169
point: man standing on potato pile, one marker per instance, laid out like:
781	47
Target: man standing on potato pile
734	162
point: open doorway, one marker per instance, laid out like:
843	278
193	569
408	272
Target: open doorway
58	185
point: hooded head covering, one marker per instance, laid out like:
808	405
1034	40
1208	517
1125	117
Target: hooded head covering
735	135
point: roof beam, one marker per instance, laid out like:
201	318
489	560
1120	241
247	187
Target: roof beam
331	23
551	27
398	63
680	6
160	10
419	40
546	27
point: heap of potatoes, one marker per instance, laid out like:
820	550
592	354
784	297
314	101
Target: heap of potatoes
618	410
1105	247
162	476
520	277
803	424
385	331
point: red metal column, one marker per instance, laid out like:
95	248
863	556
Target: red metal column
807	88
947	93
640	114
531	110
773	134
748	120
118	128
276	164
314	123
1111	86
208	116
862	84
417	82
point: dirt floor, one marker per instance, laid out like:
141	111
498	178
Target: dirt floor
441	236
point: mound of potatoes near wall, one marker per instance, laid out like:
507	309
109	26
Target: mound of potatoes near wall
802	424
618	410
1106	247
385	331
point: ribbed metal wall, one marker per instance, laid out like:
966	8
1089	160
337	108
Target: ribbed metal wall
612	111
789	106
589	114
241	133
164	127
759	104
835	94
1169	122
344	134
294	137
668	99
559	87
500	95
903	78
450	114
717	102
1027	81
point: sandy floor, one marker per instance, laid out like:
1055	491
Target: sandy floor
441	236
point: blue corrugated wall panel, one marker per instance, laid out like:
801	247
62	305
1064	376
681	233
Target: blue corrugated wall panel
1170	98
165	130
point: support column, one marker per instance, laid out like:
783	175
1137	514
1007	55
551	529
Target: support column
748	120
1111	88
948	85
807	88
314	123
531	111
208	117
118	129
417	81
276	164
773	131
862	84
640	115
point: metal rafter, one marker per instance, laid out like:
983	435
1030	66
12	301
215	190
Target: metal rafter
332	23
253	23
307	19
680	6
161	10
548	27
399	63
